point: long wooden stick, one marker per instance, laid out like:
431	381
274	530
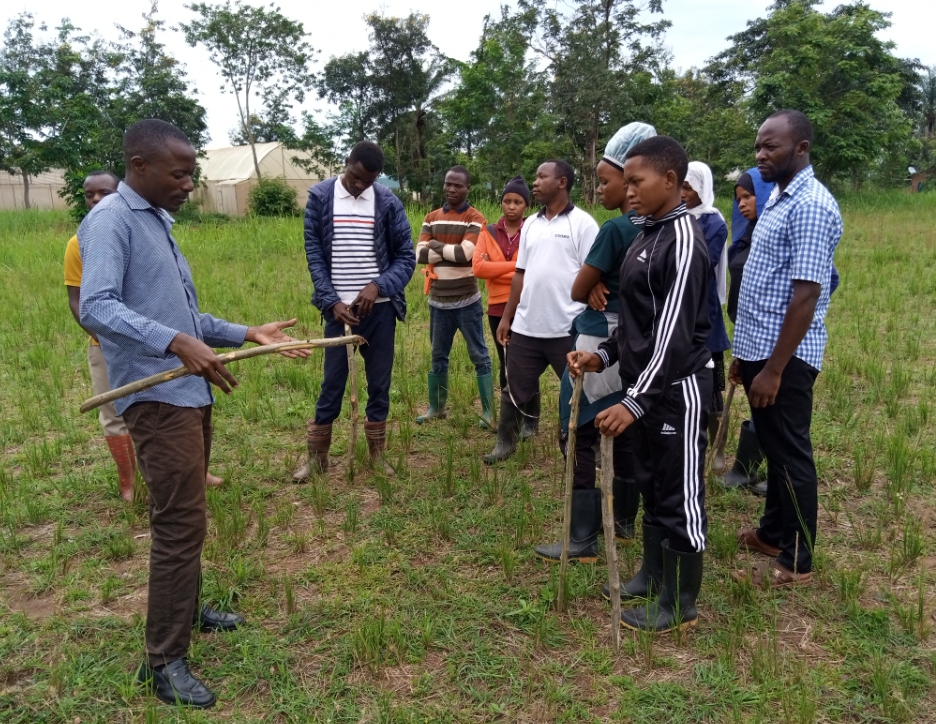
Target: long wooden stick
174	374
721	437
607	518
569	473
352	379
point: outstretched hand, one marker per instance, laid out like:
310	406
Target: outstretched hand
272	333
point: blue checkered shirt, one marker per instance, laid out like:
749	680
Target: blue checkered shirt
137	295
795	239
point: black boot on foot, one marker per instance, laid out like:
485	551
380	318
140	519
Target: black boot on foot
174	683
626	504
530	425
748	459
508	433
210	621
583	531
675	607
649	578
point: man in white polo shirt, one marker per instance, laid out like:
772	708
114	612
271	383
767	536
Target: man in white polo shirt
536	328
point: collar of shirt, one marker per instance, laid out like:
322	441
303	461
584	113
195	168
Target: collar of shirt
138	203
343	193
566	210
798	182
460	210
648	222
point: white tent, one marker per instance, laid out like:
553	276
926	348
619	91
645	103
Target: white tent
227	174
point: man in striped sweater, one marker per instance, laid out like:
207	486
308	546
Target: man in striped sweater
446	245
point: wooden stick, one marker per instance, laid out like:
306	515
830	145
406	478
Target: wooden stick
569	472
721	437
352	380
607	518
174	374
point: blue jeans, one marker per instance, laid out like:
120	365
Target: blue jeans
378	328
443	323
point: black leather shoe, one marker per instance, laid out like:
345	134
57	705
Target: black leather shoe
174	683
210	621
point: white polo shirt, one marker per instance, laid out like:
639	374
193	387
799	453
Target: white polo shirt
552	251
354	259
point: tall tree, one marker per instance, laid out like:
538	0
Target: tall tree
259	53
596	55
833	67
347	82
49	95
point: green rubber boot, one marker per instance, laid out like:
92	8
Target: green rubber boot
438	396
486	391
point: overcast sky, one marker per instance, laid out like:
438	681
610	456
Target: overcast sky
698	32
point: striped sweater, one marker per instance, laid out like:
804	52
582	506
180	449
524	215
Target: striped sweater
447	243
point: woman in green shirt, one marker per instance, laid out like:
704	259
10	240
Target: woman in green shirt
597	285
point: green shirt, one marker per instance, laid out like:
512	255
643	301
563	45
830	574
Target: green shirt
607	254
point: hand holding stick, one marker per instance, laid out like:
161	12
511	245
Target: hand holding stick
569	473
607	519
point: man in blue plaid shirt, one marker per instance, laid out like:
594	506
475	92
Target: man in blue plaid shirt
780	339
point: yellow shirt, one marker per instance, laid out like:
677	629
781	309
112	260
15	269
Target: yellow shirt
73	265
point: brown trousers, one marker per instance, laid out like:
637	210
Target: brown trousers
173	445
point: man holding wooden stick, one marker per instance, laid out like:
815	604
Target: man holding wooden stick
137	295
660	343
359	246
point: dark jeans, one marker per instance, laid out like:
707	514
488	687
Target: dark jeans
792	506
669	457
379	329
443	323
493	322
527	359
173	445
586	438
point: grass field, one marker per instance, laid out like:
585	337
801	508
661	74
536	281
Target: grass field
418	599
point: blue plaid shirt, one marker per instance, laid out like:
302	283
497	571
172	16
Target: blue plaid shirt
137	295
795	239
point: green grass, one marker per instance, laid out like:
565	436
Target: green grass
419	599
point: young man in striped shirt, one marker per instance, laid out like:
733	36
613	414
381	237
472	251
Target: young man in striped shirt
446	245
359	246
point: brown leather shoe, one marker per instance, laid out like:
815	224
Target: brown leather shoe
213	481
376	434
318	439
750	540
771	575
121	449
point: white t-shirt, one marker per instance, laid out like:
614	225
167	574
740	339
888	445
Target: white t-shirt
551	254
354	260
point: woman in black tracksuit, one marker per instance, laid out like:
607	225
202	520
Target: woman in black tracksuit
660	343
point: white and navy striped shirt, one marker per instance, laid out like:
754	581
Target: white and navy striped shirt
354	259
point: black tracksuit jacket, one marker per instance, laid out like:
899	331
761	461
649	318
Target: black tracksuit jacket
663	322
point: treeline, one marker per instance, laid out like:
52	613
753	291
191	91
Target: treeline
544	80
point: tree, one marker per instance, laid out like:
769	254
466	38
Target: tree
597	57
259	52
346	81
834	69
49	93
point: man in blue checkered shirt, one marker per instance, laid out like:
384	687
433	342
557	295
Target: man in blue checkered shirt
780	339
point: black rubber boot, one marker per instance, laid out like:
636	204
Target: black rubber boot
675	607
649	578
530	425
583	530
748	459
626	504
508	433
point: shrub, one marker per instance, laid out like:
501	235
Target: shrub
273	197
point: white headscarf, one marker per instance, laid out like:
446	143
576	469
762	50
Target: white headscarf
699	177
